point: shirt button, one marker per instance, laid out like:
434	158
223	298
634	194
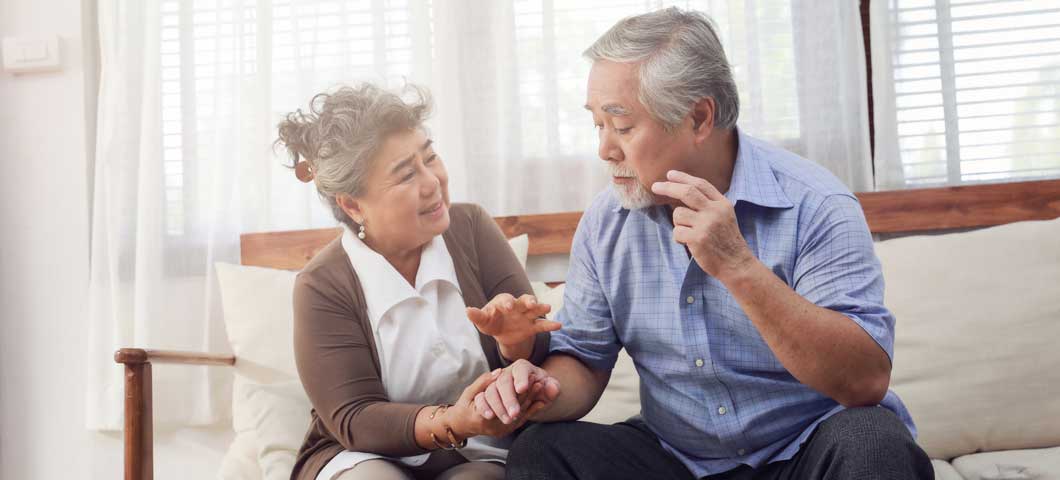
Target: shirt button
722	410
741	451
690	299
699	362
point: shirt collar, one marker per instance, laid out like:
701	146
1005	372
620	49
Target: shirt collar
753	180
381	283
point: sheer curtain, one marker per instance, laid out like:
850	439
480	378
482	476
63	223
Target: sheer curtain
191	93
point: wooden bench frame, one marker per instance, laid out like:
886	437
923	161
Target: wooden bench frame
922	210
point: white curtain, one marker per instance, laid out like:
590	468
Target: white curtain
191	93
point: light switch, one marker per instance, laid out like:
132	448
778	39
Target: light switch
31	54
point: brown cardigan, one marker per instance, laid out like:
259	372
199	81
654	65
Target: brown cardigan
335	347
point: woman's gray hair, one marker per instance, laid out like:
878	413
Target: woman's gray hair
681	62
343	130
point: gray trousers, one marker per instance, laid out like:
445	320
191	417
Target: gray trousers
859	443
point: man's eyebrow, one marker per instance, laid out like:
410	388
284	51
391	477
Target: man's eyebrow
615	109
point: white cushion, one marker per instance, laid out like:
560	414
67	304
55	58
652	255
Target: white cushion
268	406
945	471
1040	464
241	460
521	246
978	319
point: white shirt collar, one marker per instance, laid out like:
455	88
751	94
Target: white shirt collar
383	286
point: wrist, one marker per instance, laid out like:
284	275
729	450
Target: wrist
518	350
453	420
740	273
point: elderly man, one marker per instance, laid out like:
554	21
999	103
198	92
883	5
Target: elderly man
741	279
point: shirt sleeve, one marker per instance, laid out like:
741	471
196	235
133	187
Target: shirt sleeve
588	331
837	268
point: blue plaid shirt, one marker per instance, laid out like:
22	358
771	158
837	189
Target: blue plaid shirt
711	389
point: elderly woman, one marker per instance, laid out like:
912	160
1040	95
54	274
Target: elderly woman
383	344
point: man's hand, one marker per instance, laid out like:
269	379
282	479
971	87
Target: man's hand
706	224
512	321
466	421
502	398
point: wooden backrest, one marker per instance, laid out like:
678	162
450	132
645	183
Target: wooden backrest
898	211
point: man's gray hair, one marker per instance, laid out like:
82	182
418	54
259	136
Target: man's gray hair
681	61
343	130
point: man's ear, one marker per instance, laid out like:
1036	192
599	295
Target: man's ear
703	118
352	207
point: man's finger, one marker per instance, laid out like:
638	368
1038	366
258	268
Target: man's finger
686	194
508	395
522	371
684	216
482	407
701	184
683	235
493	399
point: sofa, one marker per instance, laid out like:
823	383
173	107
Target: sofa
977	359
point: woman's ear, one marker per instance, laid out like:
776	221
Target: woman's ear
352	207
703	118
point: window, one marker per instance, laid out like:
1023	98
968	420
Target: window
976	90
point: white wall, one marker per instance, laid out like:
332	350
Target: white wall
44	233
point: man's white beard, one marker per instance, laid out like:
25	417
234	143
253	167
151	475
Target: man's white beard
633	196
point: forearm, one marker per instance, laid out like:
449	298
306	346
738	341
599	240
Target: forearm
580	388
822	348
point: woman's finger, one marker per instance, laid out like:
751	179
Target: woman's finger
547	326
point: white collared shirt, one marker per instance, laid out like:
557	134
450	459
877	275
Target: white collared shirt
428	350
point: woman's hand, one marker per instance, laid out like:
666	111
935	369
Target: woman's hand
512	321
504	397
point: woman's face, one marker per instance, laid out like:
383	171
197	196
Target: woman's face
406	202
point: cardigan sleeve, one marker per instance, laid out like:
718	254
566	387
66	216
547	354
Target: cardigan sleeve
337	370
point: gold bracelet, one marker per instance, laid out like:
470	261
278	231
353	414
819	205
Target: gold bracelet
448	431
452	439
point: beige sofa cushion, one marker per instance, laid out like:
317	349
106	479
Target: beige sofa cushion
1039	464
945	471
977	359
270	411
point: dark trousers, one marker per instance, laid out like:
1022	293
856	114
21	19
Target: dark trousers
858	443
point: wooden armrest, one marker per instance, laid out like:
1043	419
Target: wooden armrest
139	441
134	356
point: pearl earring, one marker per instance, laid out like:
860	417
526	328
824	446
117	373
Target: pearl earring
360	233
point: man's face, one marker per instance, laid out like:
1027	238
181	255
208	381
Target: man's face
636	146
